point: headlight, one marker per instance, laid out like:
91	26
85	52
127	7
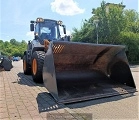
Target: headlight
59	22
39	20
36	34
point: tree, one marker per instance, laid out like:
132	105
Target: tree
14	42
85	34
111	21
13	48
115	26
132	21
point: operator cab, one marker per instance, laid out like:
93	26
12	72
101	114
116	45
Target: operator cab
47	29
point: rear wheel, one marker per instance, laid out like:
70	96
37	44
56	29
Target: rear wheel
37	66
26	66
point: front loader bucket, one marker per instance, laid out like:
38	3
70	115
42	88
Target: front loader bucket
80	71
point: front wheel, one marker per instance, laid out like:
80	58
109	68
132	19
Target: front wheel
37	66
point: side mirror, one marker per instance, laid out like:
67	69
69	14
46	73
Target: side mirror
64	29
31	27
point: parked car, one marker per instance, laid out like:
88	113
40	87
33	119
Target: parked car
15	59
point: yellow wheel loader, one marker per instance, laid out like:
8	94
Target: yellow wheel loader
74	71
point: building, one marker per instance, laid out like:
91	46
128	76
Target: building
108	4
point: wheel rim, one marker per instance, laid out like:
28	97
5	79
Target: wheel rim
34	66
24	65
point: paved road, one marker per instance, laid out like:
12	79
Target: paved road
21	98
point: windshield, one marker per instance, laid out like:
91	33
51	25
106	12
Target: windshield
49	30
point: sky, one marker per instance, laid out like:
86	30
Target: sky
15	15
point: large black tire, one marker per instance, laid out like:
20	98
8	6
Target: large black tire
26	66
37	66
